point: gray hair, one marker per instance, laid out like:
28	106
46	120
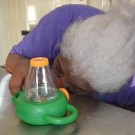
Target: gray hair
101	49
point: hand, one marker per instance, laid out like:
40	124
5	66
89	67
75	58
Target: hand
18	66
18	79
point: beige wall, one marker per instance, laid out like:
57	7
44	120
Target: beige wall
12	21
42	7
3	41
95	3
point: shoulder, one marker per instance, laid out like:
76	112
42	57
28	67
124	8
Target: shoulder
75	7
78	11
79	8
67	14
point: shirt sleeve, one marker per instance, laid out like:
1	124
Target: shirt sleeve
44	40
125	97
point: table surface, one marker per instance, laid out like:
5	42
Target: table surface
95	118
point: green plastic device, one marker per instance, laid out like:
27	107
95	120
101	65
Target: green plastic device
42	113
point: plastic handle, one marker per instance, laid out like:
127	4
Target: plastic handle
16	95
63	120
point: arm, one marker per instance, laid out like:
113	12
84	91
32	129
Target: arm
18	66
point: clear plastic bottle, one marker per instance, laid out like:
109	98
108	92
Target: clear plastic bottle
40	86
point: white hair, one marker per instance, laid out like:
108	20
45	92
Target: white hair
101	48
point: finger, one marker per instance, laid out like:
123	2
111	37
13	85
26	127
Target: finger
16	83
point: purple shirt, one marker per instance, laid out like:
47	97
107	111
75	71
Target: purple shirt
126	96
43	41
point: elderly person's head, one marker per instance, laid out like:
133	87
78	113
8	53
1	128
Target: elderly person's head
98	54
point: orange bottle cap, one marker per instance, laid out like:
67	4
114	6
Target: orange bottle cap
39	62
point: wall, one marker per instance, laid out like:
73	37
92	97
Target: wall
3	41
12	21
95	3
42	7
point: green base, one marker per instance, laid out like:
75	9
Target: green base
42	113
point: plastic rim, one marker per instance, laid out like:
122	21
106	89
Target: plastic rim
39	61
65	92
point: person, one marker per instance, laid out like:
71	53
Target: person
91	52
